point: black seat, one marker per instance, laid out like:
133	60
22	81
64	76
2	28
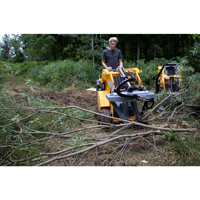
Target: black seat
170	70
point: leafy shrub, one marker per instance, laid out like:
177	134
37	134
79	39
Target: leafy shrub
194	54
62	74
25	66
8	68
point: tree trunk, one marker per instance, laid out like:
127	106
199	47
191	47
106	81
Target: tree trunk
138	52
36	54
175	45
59	56
63	48
123	45
154	53
93	50
192	41
178	45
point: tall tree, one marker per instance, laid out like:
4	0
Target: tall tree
38	47
91	47
5	47
16	49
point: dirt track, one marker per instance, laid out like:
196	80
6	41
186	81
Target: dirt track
84	99
68	96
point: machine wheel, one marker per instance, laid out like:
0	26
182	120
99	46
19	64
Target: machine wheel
102	118
160	88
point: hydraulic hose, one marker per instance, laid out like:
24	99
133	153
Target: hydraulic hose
121	84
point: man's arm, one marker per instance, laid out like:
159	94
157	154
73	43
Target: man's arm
104	64
120	63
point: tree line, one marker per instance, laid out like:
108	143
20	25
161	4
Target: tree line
53	47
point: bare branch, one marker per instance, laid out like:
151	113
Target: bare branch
94	146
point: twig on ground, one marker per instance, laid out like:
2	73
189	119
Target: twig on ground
156	149
174	112
94	146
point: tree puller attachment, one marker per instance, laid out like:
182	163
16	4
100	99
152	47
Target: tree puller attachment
168	78
117	96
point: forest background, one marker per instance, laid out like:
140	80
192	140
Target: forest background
59	60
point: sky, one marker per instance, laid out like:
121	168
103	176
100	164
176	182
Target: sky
143	17
2	35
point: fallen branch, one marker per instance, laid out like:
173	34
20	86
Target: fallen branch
174	111
170	95
96	145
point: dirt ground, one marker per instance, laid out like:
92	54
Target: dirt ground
85	99
67	96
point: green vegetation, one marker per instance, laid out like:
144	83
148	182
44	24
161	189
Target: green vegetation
17	120
54	47
65	73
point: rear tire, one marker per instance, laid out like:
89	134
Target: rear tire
103	118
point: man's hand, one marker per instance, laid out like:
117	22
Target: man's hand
120	63
109	68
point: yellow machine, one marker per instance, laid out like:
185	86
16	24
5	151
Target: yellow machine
117	96
168	77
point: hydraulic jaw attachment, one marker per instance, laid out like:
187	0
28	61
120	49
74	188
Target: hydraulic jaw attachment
124	101
126	87
123	96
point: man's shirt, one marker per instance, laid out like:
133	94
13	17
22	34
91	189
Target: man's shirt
112	57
